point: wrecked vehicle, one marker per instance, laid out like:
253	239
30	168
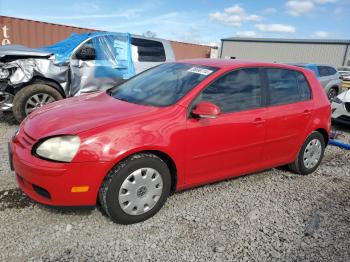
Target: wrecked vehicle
82	63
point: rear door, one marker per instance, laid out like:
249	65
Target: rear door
289	113
233	143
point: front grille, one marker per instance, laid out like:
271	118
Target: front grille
344	118
347	106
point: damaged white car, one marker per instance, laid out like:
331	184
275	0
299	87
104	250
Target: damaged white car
341	108
82	63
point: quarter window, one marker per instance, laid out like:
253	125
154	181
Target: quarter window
236	91
332	71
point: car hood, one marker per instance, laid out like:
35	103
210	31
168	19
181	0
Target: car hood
19	51
79	114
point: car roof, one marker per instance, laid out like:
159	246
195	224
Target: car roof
235	63
310	64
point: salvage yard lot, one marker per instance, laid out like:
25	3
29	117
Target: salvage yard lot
273	215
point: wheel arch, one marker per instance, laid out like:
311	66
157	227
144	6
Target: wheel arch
42	80
336	87
169	161
324	133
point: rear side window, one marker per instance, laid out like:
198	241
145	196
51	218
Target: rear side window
287	86
236	91
323	71
326	70
148	50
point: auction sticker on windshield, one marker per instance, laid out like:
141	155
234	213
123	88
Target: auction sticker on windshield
199	70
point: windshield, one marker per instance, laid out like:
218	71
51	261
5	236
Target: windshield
163	85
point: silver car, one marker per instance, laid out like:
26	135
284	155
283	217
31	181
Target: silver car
82	63
328	77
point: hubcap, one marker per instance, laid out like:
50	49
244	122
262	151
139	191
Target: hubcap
140	191
36	101
312	153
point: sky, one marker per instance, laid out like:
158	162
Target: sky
199	21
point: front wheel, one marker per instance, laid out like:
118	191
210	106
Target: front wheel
135	189
310	155
32	97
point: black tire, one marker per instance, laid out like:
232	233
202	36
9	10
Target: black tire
332	93
298	165
26	93
109	190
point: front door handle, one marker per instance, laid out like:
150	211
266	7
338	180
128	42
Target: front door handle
259	121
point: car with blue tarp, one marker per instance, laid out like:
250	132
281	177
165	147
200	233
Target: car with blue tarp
82	63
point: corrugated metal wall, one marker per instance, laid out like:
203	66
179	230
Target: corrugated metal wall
332	54
187	50
33	33
36	34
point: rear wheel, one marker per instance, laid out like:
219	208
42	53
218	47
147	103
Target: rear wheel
32	97
310	155
332	94
135	189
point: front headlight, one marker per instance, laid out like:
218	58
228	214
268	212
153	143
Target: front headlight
60	148
337	100
4	73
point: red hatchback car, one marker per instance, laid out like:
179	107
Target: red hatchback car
173	127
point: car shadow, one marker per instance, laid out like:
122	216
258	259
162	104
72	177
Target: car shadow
63	210
340	127
8	118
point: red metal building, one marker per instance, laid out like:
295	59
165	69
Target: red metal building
36	34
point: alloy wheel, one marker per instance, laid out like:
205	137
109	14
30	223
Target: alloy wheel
36	101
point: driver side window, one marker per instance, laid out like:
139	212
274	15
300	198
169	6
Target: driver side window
236	91
86	44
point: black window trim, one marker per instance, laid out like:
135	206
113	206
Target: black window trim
264	90
268	104
133	38
265	94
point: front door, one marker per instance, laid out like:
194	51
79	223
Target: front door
231	144
111	66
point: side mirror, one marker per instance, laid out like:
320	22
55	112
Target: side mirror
206	109
86	53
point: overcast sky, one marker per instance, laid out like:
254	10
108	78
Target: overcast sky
201	21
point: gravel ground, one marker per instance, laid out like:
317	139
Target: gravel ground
269	216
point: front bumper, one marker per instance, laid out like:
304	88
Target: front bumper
340	113
6	101
51	183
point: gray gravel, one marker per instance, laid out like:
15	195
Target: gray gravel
269	216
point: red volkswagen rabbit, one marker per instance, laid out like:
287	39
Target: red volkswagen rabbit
173	127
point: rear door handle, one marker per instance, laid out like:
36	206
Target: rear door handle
259	121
